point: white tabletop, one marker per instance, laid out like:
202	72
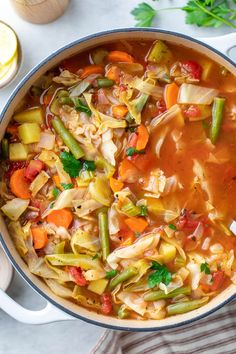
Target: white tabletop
82	17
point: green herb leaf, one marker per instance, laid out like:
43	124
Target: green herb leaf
111	274
131	151
143	210
55	192
144	15
95	256
67	185
70	164
161	275
81	107
137	234
172	227
205	268
89	165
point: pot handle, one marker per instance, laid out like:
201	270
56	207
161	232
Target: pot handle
47	315
223	43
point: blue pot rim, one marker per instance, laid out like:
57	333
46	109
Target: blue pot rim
4	245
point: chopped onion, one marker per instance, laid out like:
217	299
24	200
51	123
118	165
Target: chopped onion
206	243
233	227
164	118
217	248
47	140
193	94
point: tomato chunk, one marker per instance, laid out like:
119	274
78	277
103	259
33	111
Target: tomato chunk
192	69
192	111
76	273
106	303
218	278
33	169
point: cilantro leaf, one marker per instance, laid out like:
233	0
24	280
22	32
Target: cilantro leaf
161	275
89	165
70	164
55	192
67	185
131	151
172	227
143	210
144	15
205	268
80	106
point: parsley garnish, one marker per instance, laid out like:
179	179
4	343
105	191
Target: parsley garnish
131	151
143	210
144	15
111	274
55	192
172	227
81	107
203	13
205	268
67	185
89	165
95	256
161	275
70	164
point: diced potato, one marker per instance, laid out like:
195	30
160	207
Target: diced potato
101	191
18	152
32	115
207	69
168	251
159	53
15	207
29	133
98	286
49	158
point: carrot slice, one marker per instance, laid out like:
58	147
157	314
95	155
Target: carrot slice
128	172
117	56
40	237
136	224
128	238
119	111
143	137
19	185
116	185
113	74
47	99
91	69
171	94
62	217
57	182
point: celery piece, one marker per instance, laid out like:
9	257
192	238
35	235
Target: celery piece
159	53
18	152
31	115
98	286
29	133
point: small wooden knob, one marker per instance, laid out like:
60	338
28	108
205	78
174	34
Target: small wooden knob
40	11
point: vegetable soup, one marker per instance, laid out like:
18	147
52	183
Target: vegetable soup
118	179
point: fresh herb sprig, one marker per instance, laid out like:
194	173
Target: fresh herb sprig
161	275
203	13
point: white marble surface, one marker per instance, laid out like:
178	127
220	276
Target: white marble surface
82	17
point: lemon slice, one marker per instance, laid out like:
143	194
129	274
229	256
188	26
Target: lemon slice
8	71
8	44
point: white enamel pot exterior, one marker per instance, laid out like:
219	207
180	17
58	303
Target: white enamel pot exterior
58	309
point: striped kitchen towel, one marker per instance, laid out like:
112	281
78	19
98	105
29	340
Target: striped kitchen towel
215	334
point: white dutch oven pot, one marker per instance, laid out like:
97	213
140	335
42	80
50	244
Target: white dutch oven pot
58	309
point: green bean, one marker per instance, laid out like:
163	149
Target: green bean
67	138
104	233
217	118
125	275
123	312
105	82
160	294
182	307
5	148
